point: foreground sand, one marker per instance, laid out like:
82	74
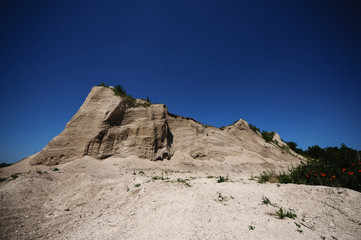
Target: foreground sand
123	199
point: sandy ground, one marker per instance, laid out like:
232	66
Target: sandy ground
139	199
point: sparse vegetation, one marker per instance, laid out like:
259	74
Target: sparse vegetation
298	227
267	136
15	175
137	185
210	176
283	214
265	200
145	105
182	180
2	165
331	166
222	179
254	128
119	90
251	227
2	179
103	85
55	169
267	176
157	178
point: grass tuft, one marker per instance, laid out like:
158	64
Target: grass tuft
222	179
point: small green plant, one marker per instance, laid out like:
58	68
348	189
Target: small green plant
15	175
145	105
222	179
134	173
264	177
120	91
323	238
103	85
251	227
137	185
2	179
282	214
187	184
210	176
265	200
127	189
298	228
141	173
55	169
156	178
181	180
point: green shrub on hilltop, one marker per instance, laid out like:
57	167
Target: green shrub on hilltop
254	128
103	85
267	136
118	90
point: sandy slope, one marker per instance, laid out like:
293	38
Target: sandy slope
91	199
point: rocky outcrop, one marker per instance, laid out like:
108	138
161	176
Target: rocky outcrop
109	125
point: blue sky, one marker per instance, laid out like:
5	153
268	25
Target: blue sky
293	67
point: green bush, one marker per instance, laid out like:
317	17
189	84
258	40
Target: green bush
103	85
267	136
283	214
119	90
335	167
2	165
15	175
254	128
264	177
222	179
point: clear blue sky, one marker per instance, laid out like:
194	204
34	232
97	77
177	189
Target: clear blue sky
293	67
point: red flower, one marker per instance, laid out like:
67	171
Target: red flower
331	179
323	175
359	170
350	173
310	172
343	169
352	164
334	176
315	174
309	176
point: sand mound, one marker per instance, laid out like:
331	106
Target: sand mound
132	198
